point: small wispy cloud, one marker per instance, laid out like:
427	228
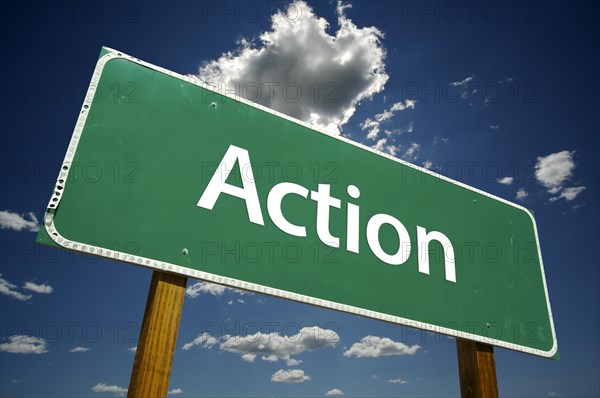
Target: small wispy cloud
462	82
494	126
213	289
17	222
373	127
204	340
23	344
336	392
569	194
397	381
411	152
175	391
521	194
79	349
102	387
11	290
382	146
40	289
506	180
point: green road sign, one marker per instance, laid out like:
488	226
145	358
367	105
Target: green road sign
164	172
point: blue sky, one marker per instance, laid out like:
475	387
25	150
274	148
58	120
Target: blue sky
501	96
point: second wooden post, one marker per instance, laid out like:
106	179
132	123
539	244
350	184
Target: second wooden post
477	369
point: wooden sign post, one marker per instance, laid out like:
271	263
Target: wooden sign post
156	346
476	369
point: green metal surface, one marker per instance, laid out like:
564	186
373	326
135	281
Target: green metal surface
151	143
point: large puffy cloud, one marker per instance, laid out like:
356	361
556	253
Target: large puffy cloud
290	376
273	347
333	72
374	346
554	170
270	347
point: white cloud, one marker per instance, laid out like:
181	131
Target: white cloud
271	347
79	349
382	147
101	387
374	126
175	391
292	362
462	82
494	126
21	344
411	152
199	288
569	194
289	376
506	180
428	164
204	340
248	357
373	346
397	381
553	394
10	290
391	111
41	289
554	170
299	55
522	194
336	392
132	349
16	222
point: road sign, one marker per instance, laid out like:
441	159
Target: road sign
164	172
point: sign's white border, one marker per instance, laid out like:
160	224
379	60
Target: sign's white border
238	284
